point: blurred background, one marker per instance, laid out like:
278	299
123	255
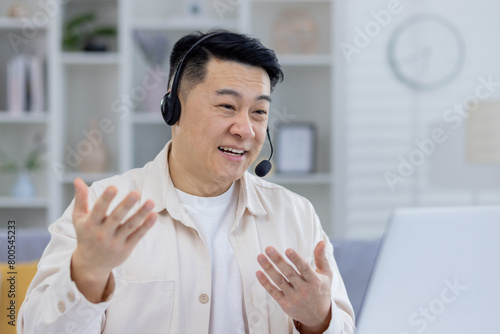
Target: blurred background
385	104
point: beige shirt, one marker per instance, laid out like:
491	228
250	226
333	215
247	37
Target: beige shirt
165	284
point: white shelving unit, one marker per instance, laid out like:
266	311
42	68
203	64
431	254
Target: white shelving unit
7	23
32	203
86	58
306	93
106	85
181	24
35	118
20	132
86	83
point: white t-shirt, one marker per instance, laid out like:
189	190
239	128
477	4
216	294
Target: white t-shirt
213	217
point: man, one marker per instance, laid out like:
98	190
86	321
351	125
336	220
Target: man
191	242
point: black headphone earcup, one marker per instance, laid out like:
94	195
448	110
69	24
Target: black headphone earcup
165	107
170	109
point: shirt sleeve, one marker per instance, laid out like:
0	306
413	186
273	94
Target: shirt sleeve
53	303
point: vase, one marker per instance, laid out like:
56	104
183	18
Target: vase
96	158
23	187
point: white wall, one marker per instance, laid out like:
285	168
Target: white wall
381	117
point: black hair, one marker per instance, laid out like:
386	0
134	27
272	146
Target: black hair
227	46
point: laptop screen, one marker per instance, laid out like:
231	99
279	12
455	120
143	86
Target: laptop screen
437	272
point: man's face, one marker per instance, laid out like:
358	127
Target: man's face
223	122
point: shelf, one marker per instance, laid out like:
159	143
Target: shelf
11	23
68	178
304	60
303	179
28	118
148	118
87	1
90	58
21	203
291	1
183	24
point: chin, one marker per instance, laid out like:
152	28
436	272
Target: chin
232	175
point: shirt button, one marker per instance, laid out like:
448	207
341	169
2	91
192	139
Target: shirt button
71	296
203	298
61	307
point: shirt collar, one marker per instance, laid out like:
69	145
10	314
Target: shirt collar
249	196
159	186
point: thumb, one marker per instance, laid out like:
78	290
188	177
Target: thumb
321	259
81	199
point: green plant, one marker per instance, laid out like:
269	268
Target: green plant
32	163
81	33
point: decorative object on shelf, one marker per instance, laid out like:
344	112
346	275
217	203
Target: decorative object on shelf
295	31
295	149
483	137
194	8
431	61
82	34
32	163
154	47
18	11
24	187
97	159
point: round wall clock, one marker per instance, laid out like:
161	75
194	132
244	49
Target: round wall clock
426	52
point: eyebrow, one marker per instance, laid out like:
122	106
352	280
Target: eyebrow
227	91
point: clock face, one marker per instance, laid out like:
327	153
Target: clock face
426	52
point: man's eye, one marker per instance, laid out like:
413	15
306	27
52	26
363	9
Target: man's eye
227	106
261	112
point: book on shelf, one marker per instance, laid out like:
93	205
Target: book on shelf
36	94
16	85
25	85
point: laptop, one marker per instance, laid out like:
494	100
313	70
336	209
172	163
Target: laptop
437	272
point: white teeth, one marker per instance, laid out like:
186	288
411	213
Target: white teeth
231	150
233	154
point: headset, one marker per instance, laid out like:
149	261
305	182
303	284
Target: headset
171	106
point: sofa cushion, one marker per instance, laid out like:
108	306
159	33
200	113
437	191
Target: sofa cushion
355	259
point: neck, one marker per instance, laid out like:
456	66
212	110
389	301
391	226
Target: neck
191	182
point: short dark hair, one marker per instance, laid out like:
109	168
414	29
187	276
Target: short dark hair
227	46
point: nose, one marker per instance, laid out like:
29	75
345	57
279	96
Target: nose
242	126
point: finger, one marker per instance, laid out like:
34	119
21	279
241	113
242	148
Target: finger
321	259
120	212
137	235
134	221
81	199
100	208
302	265
286	269
276	293
278	279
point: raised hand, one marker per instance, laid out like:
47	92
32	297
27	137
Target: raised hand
305	295
104	242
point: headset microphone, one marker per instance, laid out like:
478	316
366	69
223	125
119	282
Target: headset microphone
263	168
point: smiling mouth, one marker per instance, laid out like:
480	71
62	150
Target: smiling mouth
231	151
